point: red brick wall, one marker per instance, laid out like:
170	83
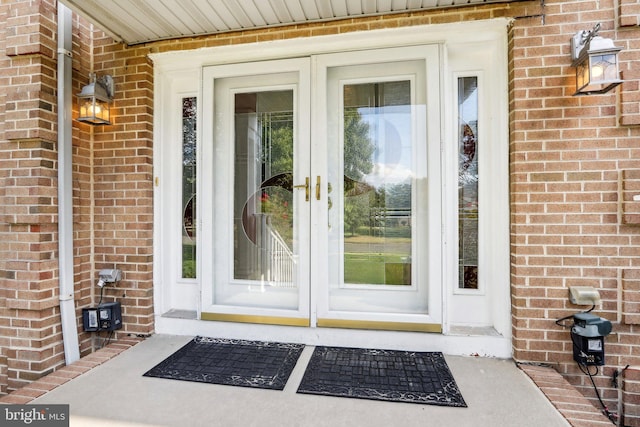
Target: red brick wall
566	154
30	337
30	334
123	187
566	157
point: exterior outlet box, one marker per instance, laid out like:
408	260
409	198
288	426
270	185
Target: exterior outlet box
584	295
587	335
105	317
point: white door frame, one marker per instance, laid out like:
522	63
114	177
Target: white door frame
170	67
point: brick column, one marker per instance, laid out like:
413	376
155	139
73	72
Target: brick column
30	338
123	189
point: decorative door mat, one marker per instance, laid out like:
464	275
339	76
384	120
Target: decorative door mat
231	362
397	376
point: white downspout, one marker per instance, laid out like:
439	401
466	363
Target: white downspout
65	190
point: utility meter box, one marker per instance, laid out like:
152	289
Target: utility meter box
587	334
105	317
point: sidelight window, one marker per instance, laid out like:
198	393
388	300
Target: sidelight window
468	183
189	106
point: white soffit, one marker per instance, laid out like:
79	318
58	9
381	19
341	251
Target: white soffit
141	21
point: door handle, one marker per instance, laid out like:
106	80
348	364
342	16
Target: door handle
318	187
306	188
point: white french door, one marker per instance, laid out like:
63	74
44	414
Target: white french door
323	204
377	243
256	159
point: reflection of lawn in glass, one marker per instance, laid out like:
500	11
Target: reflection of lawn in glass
377	268
188	261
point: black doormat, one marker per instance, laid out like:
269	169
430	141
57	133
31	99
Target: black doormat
397	376
231	362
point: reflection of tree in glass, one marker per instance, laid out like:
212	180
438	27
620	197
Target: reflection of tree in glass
356	212
358	148
358	162
277	204
398	196
277	144
276	157
189	131
467	162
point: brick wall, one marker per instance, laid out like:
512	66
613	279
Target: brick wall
123	188
30	333
566	154
30	337
5	64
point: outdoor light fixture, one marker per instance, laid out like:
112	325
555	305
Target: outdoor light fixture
94	102
596	61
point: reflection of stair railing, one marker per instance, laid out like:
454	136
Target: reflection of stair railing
278	261
384	220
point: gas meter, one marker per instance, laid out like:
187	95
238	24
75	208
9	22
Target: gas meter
587	333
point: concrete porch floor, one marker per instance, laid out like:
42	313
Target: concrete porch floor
113	392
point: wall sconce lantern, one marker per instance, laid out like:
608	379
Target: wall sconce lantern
94	101
596	61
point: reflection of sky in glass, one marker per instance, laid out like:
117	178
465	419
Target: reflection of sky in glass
390	132
469	109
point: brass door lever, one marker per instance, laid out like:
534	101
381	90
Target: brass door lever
318	187
306	188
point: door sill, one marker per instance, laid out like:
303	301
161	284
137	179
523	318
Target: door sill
380	326
474	331
261	320
176	313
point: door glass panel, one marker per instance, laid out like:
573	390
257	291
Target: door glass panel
258	267
377	183
263	198
188	187
468	183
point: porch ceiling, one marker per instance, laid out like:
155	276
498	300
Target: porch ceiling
141	21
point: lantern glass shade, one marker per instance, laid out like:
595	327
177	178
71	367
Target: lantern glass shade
94	104
94	111
597	67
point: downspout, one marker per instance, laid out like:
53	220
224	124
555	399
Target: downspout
65	190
